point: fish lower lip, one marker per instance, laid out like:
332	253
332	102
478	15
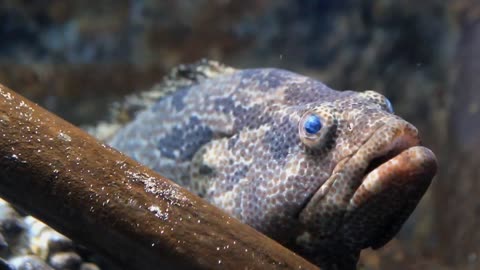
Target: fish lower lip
387	196
398	167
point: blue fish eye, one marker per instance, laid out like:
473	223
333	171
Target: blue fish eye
389	105
312	124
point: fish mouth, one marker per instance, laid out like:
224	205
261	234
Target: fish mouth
371	193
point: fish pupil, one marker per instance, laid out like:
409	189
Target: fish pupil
312	124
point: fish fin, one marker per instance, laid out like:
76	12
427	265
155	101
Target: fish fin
182	76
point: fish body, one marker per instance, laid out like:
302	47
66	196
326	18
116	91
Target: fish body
324	172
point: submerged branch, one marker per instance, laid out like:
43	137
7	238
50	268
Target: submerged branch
113	205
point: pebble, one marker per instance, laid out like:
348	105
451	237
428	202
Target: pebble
29	244
29	262
44	241
11	223
4	265
65	261
3	242
89	266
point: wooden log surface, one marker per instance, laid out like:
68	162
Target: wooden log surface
115	206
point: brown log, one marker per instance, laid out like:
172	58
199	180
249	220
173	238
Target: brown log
115	206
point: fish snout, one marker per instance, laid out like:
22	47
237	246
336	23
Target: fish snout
371	193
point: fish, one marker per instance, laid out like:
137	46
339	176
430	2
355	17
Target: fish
326	173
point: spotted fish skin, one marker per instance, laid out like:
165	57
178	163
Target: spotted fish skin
238	139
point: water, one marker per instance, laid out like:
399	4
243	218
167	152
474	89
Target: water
423	55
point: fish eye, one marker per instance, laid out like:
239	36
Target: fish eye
379	99
312	124
389	105
316	126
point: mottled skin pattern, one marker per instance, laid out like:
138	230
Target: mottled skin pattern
238	140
